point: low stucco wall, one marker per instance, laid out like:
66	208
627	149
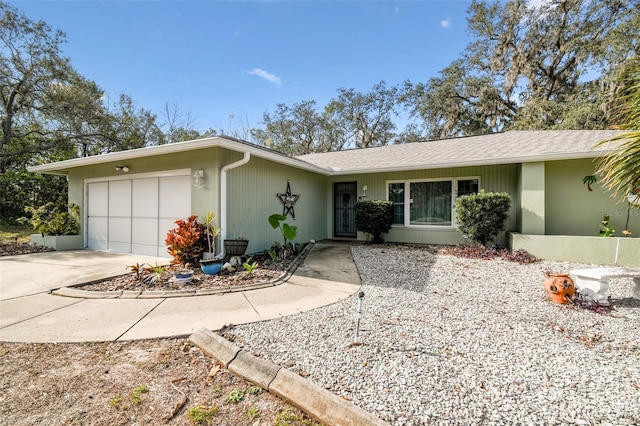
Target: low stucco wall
58	242
599	250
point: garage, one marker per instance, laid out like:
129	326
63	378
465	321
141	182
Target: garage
133	214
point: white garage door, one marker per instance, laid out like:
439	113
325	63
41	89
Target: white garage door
134	215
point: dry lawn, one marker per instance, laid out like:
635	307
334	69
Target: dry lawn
149	382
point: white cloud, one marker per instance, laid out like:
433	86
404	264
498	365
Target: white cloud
266	75
445	23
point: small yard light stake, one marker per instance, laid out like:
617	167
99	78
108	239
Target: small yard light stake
359	313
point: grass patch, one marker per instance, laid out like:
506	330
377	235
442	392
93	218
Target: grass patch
289	417
202	415
254	390
136	395
253	412
235	396
9	234
115	402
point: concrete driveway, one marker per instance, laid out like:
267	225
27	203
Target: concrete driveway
30	274
29	313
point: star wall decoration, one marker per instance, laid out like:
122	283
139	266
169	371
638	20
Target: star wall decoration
288	200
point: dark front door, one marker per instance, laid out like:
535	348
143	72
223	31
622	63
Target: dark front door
345	195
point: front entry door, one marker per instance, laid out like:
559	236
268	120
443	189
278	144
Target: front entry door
345	195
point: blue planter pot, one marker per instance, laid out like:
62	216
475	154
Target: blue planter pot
211	267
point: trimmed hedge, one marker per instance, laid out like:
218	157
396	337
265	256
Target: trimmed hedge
483	215
374	217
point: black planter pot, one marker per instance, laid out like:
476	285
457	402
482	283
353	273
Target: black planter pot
235	247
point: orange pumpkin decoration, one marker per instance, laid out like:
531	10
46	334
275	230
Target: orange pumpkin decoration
560	287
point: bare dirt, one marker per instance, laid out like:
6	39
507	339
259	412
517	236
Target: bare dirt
148	382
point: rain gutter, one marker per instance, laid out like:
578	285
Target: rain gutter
223	199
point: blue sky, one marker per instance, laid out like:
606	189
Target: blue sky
218	58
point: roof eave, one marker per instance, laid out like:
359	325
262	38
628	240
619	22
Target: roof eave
62	167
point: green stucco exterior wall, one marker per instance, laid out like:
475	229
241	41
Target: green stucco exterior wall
547	198
500	178
252	190
571	209
593	250
532	203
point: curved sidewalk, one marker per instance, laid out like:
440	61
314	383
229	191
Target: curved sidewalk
29	313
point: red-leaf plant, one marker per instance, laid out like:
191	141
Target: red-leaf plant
187	242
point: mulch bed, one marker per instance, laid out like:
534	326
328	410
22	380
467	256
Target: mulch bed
13	249
267	270
487	253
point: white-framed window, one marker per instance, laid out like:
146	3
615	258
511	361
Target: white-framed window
428	202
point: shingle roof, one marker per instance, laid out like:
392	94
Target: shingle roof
497	148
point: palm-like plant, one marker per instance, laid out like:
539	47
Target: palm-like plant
620	170
212	232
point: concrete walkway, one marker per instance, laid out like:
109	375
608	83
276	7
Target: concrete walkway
29	313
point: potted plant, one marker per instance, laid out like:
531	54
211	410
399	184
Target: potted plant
211	232
209	263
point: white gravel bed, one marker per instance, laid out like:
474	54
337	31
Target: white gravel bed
446	340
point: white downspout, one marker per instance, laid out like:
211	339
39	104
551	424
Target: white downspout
223	199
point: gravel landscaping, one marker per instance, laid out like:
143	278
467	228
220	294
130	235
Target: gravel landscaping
448	340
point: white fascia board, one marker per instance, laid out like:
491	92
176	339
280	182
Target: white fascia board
124	155
62	167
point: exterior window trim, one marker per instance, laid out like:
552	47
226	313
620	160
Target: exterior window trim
407	215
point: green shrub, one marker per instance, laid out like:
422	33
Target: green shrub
482	216
49	220
374	217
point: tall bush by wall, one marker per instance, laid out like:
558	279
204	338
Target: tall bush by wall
374	217
482	216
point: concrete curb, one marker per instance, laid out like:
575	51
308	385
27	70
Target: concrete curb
74	291
316	401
